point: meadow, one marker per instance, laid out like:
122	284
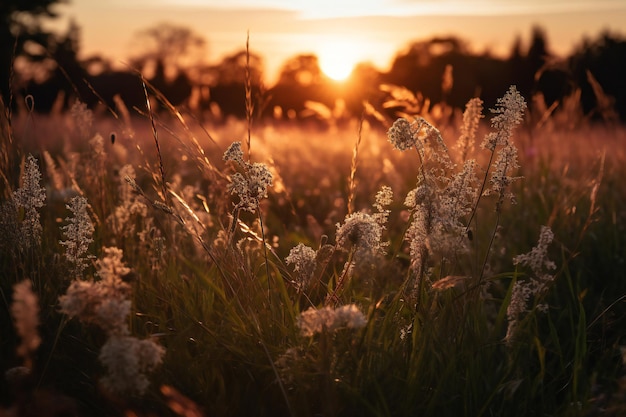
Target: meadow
443	263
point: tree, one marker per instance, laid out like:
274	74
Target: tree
20	24
301	70
605	59
168	48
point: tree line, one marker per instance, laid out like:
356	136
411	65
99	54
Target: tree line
47	67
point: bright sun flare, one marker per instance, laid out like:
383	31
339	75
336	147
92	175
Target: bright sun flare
338	58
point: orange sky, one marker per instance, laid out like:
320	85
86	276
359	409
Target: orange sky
359	30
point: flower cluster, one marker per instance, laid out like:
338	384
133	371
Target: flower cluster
78	233
384	198
401	135
127	360
252	185
131	207
471	119
509	113
313	321
304	260
106	303
538	262
405	135
25	312
83	118
362	232
30	197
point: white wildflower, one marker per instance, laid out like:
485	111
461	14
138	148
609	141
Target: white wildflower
303	259
509	113
234	153
25	313
384	198
361	231
127	360
401	135
83	118
537	260
252	185
30	196
471	120
313	321
78	233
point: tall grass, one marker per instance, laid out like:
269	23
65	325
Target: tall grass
418	272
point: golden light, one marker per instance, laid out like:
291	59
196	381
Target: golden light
338	58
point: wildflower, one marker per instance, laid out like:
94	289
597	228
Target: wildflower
350	316
234	153
127	360
500	178
25	311
104	302
78	233
471	119
537	260
361	230
509	113
457	198
83	118
384	198
130	207
251	188
401	135
304	259
30	196
313	321
111	267
520	295
418	237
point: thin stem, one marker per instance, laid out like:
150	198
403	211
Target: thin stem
353	167
339	286
480	192
267	267
155	135
249	103
493	236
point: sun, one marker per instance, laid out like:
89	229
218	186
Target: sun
338	58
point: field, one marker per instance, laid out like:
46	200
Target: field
443	264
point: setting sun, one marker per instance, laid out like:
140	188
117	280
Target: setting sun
338	58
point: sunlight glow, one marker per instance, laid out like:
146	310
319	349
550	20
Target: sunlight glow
325	9
337	58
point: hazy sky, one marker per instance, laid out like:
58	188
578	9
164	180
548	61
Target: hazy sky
356	30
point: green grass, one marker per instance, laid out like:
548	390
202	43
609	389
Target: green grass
225	309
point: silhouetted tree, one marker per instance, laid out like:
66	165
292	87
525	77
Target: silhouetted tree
168	48
168	51
227	82
301	80
363	85
421	67
64	72
20	25
605	59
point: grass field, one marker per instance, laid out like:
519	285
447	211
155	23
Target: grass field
457	265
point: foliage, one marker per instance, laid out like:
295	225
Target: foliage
185	278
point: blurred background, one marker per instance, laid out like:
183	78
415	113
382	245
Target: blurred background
306	58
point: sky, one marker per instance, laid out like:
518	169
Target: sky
340	32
